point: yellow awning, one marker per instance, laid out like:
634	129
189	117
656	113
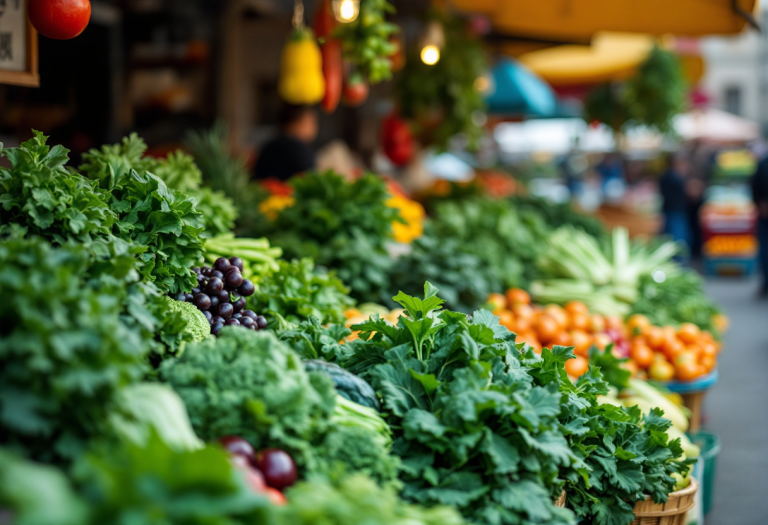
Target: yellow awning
574	19
611	57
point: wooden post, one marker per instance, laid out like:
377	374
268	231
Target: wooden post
18	46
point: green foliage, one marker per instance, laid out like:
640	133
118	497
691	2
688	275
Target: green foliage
627	456
442	99
197	325
64	350
366	42
679	299
353	501
39	195
343	226
152	484
37	494
554	215
651	98
297	291
471	428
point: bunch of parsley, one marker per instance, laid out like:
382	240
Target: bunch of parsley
627	456
343	226
471	427
297	291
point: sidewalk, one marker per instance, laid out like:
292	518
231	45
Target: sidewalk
736	409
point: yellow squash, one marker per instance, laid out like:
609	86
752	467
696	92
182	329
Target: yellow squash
301	72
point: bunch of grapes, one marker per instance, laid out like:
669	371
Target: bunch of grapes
220	294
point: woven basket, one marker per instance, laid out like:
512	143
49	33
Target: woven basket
673	512
560	502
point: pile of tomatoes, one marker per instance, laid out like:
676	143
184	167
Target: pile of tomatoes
660	353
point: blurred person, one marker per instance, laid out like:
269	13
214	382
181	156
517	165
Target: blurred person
675	199
701	162
611	172
572	168
760	196
291	152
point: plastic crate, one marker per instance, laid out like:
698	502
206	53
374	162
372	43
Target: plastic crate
729	266
710	448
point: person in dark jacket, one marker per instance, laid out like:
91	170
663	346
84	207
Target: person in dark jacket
675	200
291	152
760	196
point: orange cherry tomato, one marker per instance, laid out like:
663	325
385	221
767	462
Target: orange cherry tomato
614	321
707	349
579	321
708	362
581	342
498	301
506	318
688	333
637	323
546	328
576	307
630	365
654	336
577	367
661	370
596	324
642	355
523	324
522	310
558	314
601	341
562	339
687	371
518	296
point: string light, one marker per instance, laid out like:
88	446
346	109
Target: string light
432	42
430	54
346	11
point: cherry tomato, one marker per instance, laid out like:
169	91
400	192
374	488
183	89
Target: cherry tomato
60	19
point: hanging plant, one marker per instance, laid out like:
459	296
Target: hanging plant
367	40
442	99
651	98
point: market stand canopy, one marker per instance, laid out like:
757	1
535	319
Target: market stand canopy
714	125
576	19
514	90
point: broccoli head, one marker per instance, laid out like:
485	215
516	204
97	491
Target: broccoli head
197	324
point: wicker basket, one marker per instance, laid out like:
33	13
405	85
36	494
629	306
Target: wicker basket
673	512
560	502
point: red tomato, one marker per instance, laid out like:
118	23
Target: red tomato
355	91
60	19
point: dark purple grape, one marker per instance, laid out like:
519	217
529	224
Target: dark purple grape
216	328
202	301
223	296
214	302
180	297
215	285
218	319
250	313
218	274
196	269
233	279
247	288
206	271
247	322
236	315
237	262
225	310
208	315
261	321
232	322
196	291
189	297
239	304
222	264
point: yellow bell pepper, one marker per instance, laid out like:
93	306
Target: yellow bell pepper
412	213
301	70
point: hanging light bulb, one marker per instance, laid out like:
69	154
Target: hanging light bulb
346	11
430	54
431	42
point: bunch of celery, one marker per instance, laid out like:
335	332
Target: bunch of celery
605	277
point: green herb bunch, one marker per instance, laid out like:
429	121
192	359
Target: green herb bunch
471	428
344	226
297	291
366	42
64	349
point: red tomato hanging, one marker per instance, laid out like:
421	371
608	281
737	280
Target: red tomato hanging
355	90
60	19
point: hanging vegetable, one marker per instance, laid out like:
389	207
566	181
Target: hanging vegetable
330	49
366	41
355	90
301	73
397	140
59	19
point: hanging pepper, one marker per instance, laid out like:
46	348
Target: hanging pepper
301	75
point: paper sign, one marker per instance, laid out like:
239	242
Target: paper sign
13	35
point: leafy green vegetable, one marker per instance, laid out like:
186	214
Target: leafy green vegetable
679	299
37	494
311	340
297	291
354	501
38	194
154	485
554	214
343	226
471	428
366	42
64	350
197	327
